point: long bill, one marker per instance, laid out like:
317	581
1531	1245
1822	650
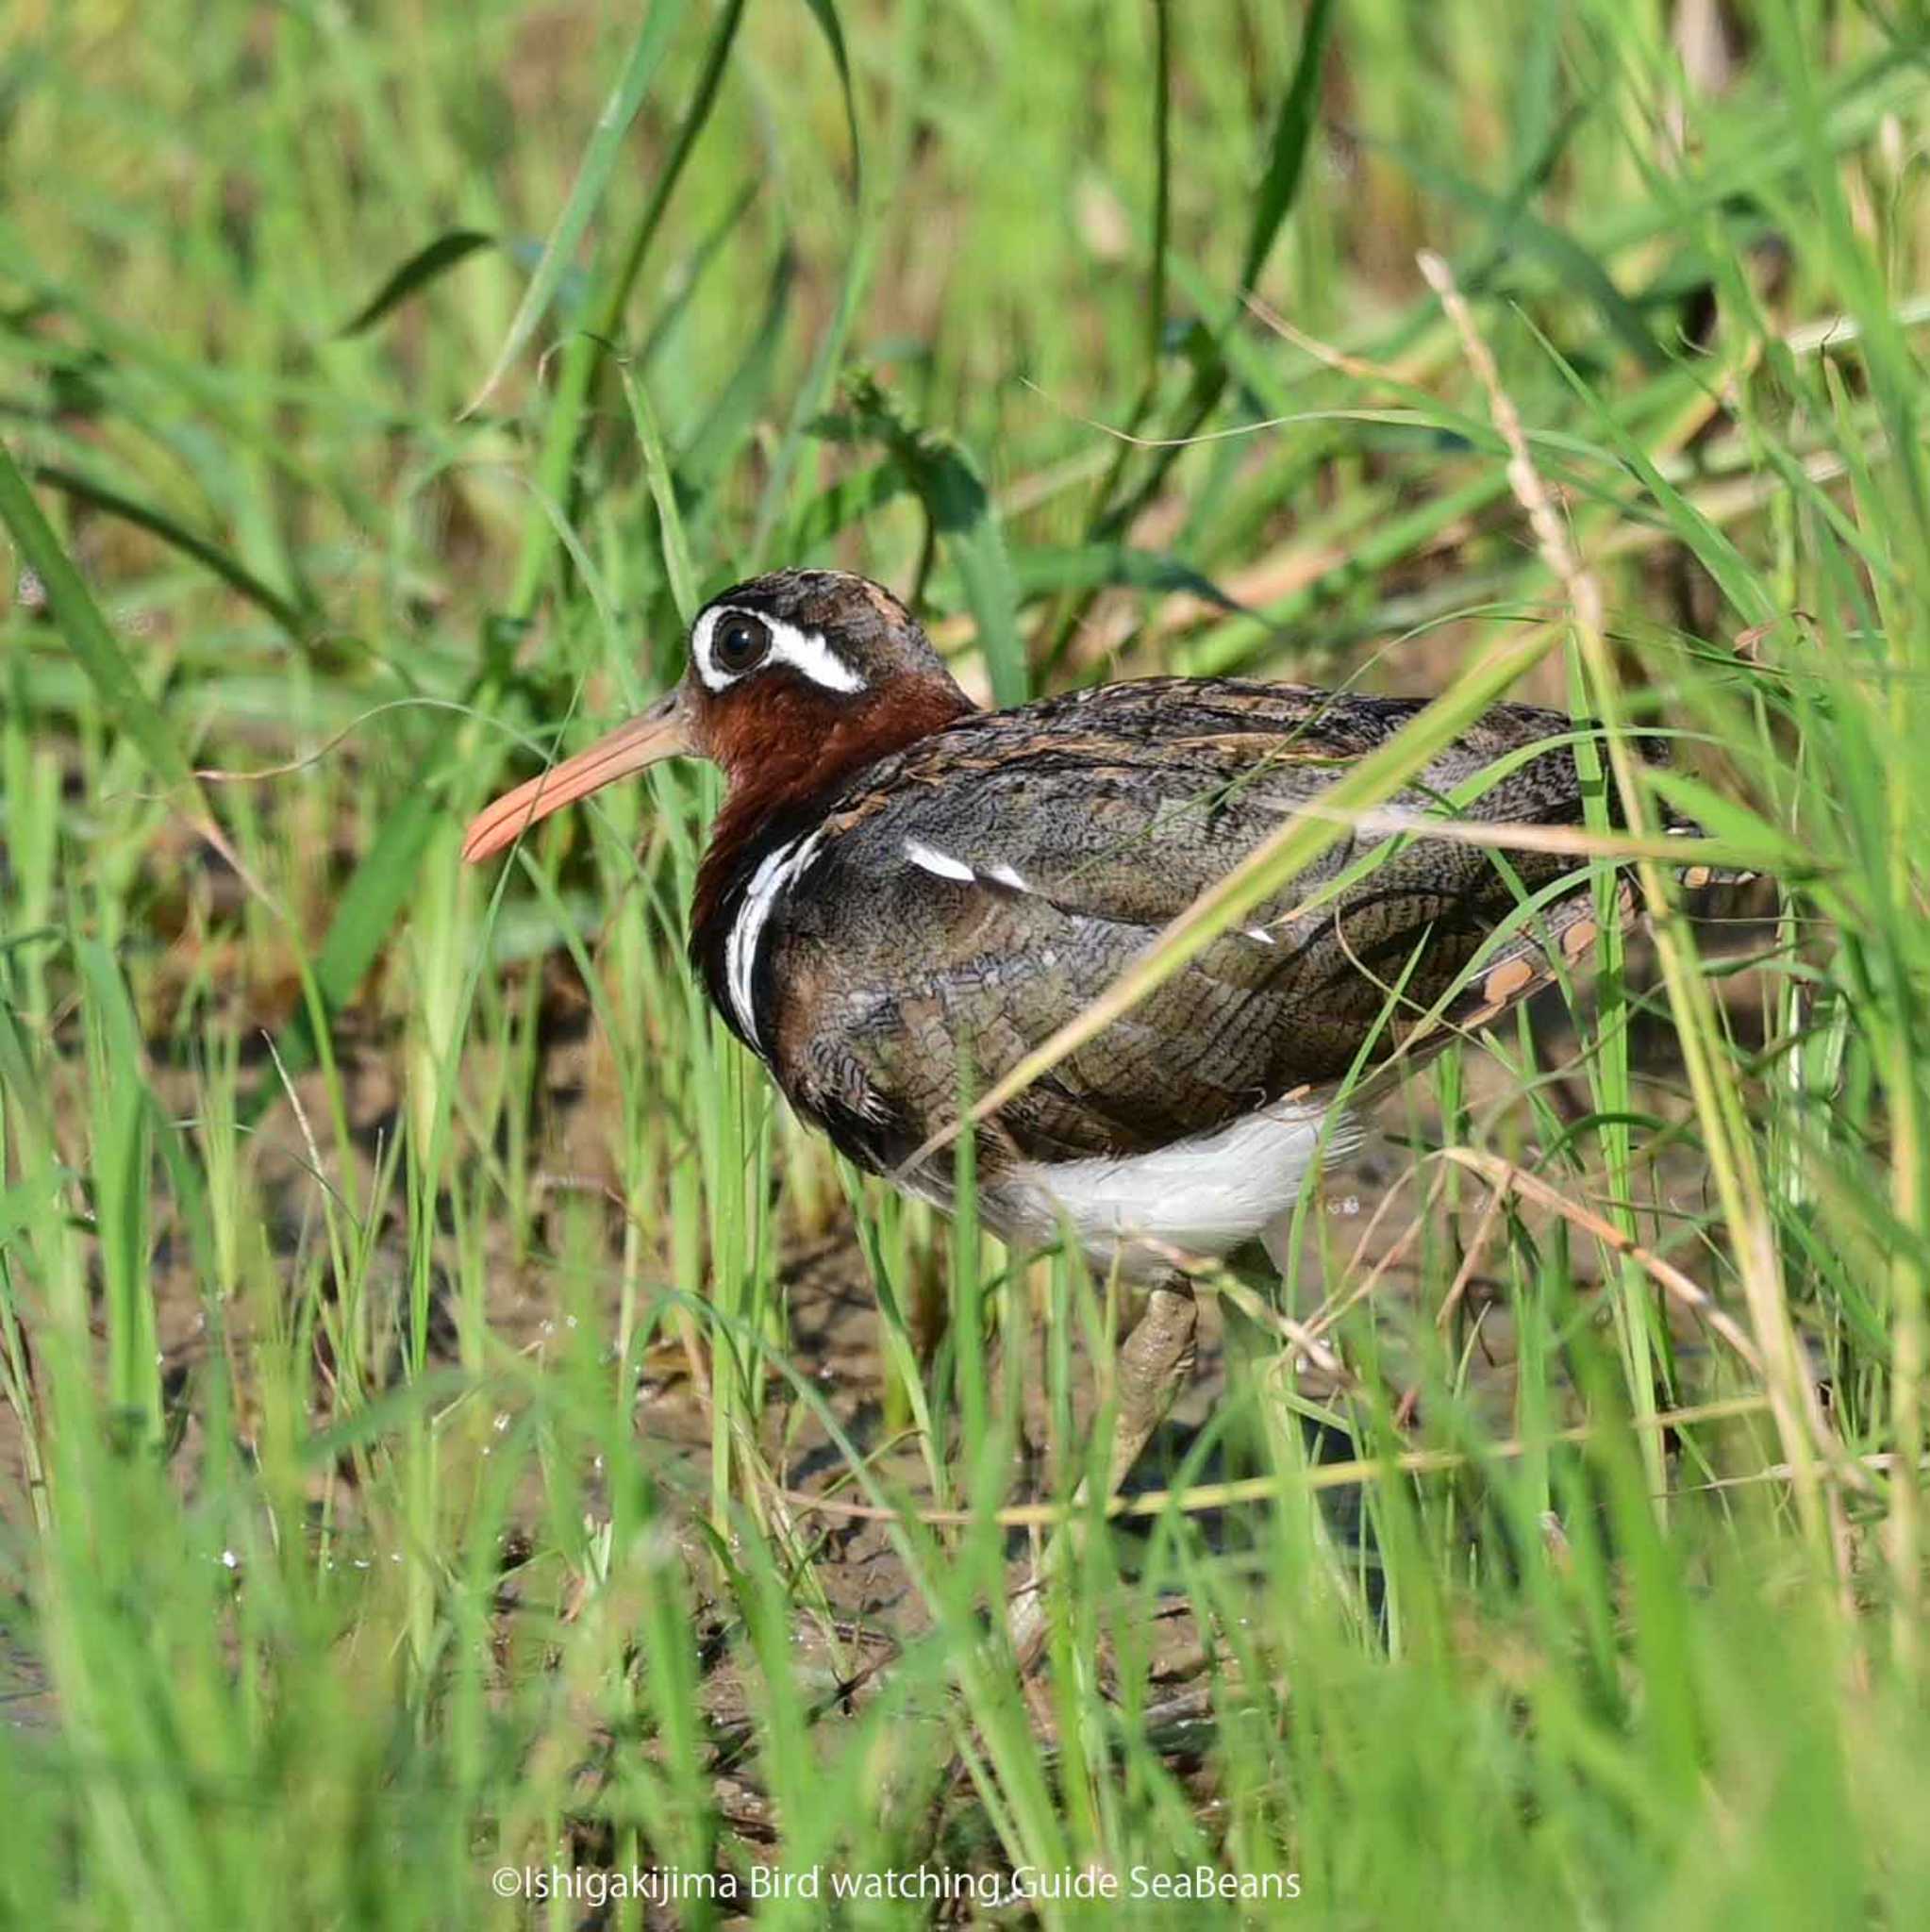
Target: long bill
659	733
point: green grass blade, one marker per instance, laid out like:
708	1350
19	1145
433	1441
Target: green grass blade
1287	148
89	637
825	13
676	546
557	467
600	156
298	624
429	264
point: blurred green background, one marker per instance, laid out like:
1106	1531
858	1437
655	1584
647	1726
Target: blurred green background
425	1348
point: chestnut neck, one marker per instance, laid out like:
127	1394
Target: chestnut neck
787	760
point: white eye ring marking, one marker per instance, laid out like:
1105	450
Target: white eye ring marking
804	651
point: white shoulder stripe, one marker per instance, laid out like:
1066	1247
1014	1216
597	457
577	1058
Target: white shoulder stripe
940	864
779	871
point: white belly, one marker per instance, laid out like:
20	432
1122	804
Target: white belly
1200	1198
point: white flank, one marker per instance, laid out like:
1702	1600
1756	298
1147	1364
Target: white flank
778	871
804	651
1006	876
1202	1197
940	864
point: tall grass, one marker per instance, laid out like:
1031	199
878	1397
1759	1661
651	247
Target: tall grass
453	1423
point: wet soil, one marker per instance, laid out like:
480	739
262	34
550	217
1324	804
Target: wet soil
1378	1213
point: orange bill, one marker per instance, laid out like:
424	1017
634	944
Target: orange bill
659	733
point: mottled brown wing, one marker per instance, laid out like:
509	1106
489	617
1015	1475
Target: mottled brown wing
974	893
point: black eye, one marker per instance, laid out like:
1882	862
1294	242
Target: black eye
738	642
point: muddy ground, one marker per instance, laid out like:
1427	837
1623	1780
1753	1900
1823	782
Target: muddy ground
1375	1201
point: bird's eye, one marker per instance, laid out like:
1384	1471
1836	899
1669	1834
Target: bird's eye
740	643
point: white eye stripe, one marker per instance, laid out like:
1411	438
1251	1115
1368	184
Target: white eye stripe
804	651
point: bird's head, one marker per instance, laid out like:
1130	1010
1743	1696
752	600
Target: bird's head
796	679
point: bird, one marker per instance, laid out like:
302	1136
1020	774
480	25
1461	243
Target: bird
904	894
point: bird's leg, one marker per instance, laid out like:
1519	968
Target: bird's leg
1152	1365
1150	1369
